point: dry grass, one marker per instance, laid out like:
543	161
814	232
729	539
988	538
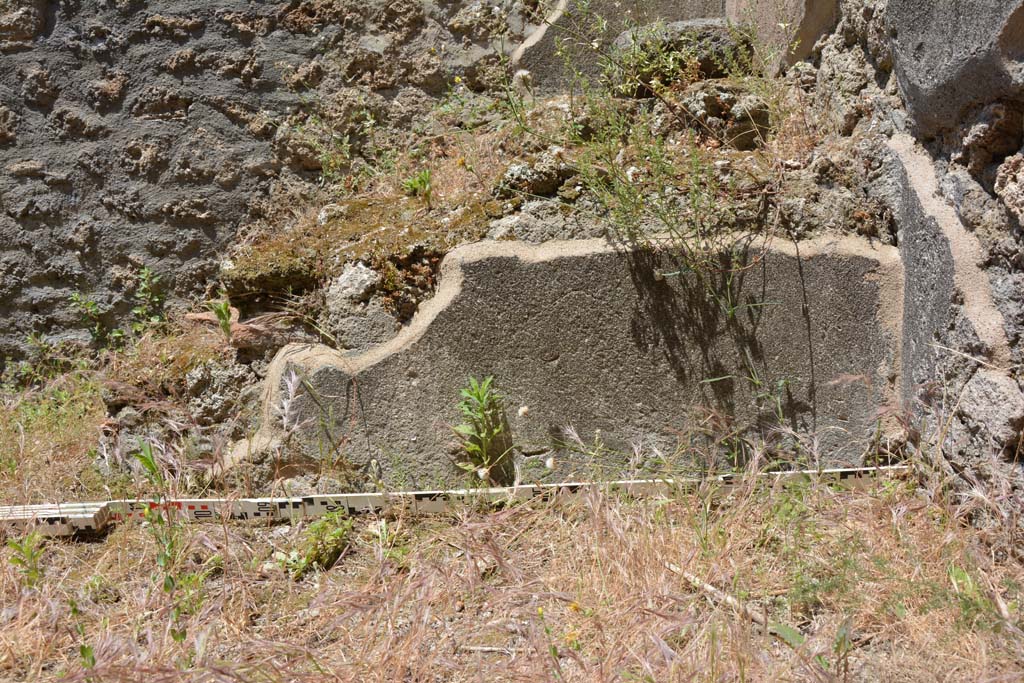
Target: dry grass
157	363
587	589
46	435
50	428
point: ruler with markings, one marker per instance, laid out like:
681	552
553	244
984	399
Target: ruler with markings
68	519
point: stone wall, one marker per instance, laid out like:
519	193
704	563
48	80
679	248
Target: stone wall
146	133
139	134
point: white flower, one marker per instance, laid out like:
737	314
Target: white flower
524	411
550	462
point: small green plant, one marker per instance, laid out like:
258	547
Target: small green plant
975	607
87	307
166	530
44	361
86	654
391	542
333	149
26	556
149	301
222	309
151	467
89	312
842	646
648	65
419	185
322	545
483	433
552	646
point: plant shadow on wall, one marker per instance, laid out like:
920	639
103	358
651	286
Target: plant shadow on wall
715	341
673	142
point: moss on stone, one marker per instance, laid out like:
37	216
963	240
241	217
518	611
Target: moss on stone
377	230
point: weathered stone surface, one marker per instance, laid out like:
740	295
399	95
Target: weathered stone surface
788	29
996	132
213	390
985	215
539	52
20	22
588	336
1009	184
724	110
539	179
950	316
992	404
355	285
951	56
542	220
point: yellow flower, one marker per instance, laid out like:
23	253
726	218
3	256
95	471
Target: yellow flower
458	79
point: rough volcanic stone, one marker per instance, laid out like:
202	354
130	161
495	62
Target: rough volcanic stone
952	56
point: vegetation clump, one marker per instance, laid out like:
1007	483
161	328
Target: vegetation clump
323	543
484	436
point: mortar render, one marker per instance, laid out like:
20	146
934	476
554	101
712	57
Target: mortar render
586	335
149	133
148	140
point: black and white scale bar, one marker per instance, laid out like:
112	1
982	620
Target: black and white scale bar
66	519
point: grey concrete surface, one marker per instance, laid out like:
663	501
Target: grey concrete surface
952	56
584	334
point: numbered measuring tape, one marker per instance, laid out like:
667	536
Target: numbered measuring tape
68	519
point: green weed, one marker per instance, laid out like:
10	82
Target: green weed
222	309
391	543
147	311
483	434
86	653
333	149
419	185
89	313
26	555
975	607
323	544
149	301
166	531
